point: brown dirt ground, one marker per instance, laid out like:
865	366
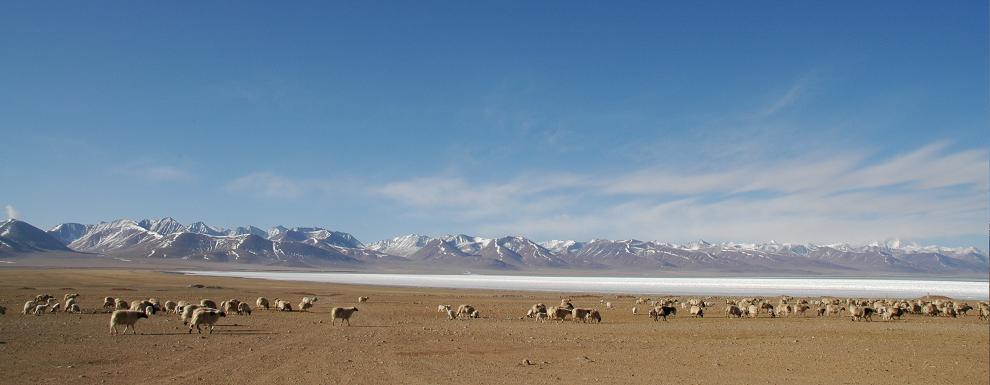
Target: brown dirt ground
399	338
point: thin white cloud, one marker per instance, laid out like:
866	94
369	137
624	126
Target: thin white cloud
925	193
153	171
163	173
270	185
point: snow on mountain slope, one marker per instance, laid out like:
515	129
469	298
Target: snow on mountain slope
20	236
404	245
203	228
116	235
68	232
164	226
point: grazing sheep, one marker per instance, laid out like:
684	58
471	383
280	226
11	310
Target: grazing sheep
443	308
204	316
362	299
753	311
635	310
54	307
143	306
156	303
594	315
74	308
949	311
262	303
68	303
120	304
38	309
29	307
963	309
538	308
187	312
579	314
662	312
127	318
733	311
451	314
170	306
230	306
179	306
310	300
304	306
608	305
541	317
857	313
465	310
557	313
984	313
243	309
697	311
109	303
67	296
282	305
475	314
343	313
892	312
208	303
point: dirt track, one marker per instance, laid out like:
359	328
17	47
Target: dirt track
399	338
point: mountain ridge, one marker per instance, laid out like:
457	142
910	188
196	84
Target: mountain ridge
318	247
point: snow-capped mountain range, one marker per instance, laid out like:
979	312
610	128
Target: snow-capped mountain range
166	238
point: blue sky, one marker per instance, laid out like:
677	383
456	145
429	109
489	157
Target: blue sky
827	122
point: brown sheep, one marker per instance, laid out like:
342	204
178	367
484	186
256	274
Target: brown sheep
343	313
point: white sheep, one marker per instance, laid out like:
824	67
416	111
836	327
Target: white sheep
304	306
475	314
127	318
697	311
231	306
362	299
443	308
343	313
143	306
74	308
635	310
262	303
187	312
451	315
170	307
465	310
120	304
310	300
282	305
204	316
38	309
29	307
179	306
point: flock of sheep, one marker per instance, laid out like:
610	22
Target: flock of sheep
207	312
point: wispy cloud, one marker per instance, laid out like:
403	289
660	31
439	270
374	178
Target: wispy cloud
271	185
928	192
153	171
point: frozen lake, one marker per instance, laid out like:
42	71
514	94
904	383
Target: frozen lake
845	287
